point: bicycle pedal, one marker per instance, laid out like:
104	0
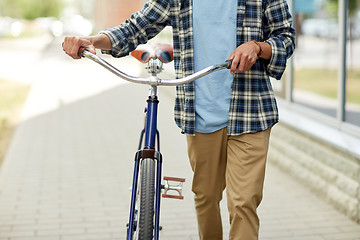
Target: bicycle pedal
173	184
172	196
174	179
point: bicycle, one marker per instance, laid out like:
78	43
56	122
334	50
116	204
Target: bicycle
144	217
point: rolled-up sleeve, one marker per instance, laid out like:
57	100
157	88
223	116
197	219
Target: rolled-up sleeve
280	35
139	28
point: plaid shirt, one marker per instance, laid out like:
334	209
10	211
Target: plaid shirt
253	106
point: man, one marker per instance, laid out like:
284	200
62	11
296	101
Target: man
227	116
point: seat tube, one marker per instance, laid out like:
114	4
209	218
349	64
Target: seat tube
151	119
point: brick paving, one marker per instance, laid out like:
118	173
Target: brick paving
68	169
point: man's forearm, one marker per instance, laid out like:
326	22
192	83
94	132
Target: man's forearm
266	50
101	41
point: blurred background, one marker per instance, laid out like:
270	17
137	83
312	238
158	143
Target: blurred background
31	33
21	18
318	80
318	139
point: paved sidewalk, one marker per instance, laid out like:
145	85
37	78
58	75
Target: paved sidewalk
69	167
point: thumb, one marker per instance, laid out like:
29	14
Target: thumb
90	48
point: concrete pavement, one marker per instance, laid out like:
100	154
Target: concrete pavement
69	167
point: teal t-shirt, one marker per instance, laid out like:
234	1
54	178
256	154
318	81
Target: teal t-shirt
214	26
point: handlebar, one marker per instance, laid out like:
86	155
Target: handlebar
153	80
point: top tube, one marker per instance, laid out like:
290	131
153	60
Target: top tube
154	80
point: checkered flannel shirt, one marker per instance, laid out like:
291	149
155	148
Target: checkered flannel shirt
253	106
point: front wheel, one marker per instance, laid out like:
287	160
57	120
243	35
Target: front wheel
147	193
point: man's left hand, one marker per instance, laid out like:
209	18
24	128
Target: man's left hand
244	57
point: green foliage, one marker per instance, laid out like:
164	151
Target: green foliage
31	9
332	7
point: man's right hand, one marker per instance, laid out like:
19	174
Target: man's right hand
72	45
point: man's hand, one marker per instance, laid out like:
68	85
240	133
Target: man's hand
244	57
72	45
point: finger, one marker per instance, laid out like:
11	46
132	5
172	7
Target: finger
231	57
64	44
76	44
249	63
234	65
67	46
88	48
243	62
71	52
80	51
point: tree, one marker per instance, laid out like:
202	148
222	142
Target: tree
333	6
31	9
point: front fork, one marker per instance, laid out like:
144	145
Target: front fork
156	156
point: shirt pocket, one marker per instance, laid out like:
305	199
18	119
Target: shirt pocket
250	21
252	13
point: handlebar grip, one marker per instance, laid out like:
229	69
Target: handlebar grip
229	63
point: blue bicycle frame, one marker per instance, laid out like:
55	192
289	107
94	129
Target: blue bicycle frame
151	133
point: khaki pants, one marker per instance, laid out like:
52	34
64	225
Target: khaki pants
237	163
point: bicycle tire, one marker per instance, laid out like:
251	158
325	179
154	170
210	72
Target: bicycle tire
147	194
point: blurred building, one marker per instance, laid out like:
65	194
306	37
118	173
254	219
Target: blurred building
109	13
318	137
